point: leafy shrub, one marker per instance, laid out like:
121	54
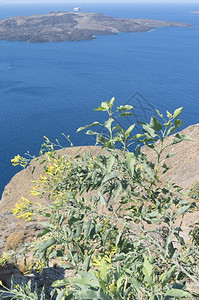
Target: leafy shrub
194	192
195	234
121	238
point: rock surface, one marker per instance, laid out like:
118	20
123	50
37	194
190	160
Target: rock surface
184	165
68	26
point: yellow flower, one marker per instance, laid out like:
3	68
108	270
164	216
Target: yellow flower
139	167
19	160
22	209
34	192
67	287
16	160
97	262
47	140
43	177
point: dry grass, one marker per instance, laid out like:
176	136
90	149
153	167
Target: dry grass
14	240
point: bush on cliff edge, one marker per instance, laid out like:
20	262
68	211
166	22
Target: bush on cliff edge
122	241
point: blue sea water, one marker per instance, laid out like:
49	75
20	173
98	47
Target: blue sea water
47	89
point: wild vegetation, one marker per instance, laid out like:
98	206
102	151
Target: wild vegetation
194	192
111	219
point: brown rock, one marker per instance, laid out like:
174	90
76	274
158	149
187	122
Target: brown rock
184	165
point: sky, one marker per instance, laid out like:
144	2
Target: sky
100	1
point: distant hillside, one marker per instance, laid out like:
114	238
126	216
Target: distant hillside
68	26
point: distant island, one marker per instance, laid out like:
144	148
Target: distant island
72	26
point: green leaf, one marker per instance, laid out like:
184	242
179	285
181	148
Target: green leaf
147	267
87	228
131	162
75	258
91	294
148	170
61	294
185	137
118	237
103	107
155	124
46	230
105	235
177	112
166	276
87	126
108	123
117	190
45	224
110	176
135	283
90	132
87	279
119	257
98	227
46	244
110	163
102	198
183	209
150	130
102	296
179	238
101	139
86	263
183	202
177	293
33	169
103	269
79	230
170	155
128	290
125	114
181	137
111	102
152	214
177	124
61	282
124	107
128	131
137	136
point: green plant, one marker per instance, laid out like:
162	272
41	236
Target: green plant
194	192
122	240
195	234
6	258
25	291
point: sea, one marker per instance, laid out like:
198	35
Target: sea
47	89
